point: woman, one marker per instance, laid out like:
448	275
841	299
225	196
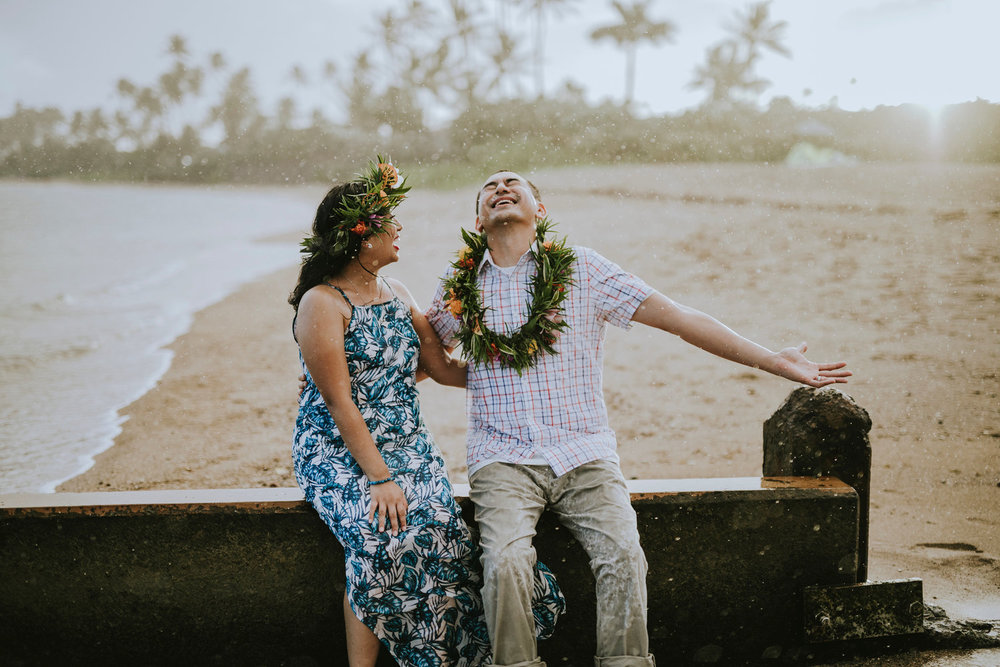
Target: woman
362	454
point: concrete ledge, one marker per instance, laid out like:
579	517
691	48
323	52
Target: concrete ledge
251	576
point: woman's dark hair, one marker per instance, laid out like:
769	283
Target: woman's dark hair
321	263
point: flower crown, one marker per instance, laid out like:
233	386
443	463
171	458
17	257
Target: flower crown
364	213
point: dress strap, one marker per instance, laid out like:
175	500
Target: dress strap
388	286
341	294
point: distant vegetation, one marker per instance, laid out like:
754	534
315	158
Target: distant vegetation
202	121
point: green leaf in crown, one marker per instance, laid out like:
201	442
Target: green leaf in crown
514	349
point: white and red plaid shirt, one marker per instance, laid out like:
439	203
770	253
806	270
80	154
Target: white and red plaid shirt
553	412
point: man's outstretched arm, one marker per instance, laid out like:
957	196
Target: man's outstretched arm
711	335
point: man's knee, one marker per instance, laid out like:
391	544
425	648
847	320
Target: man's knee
513	560
624	559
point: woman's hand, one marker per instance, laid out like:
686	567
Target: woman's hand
388	502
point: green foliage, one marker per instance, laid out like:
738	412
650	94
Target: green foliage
200	121
518	135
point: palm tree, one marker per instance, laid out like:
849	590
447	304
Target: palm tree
217	61
285	118
96	127
178	47
540	8
723	72
77	127
504	59
635	26
464	32
729	67
359	91
237	109
125	88
149	105
755	29
177	84
143	104
397	72
27	128
298	75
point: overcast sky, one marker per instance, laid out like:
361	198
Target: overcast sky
70	53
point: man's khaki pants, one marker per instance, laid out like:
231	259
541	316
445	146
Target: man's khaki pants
592	501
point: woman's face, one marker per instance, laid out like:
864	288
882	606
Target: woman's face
382	247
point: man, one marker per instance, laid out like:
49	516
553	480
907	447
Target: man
538	434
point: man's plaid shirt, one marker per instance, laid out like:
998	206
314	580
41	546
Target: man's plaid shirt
554	411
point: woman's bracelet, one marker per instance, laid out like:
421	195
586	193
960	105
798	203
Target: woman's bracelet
390	478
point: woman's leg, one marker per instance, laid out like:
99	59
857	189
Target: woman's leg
362	644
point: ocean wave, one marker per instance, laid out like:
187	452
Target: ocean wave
19	362
154	279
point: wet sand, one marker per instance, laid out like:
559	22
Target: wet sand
893	268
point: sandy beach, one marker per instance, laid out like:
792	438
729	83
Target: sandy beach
893	268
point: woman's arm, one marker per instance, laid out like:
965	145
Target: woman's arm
320	331
435	361
706	332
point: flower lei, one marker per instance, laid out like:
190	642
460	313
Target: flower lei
365	213
515	349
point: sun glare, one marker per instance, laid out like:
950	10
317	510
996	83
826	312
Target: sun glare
935	111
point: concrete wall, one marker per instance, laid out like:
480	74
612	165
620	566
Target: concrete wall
252	577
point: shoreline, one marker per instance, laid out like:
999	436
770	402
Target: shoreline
176	459
856	267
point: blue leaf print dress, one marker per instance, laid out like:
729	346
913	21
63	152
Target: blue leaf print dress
418	590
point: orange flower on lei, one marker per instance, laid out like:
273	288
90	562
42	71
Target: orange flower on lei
454	304
465	258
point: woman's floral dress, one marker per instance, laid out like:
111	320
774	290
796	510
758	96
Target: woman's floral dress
418	590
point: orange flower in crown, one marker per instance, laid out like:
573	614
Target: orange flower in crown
389	174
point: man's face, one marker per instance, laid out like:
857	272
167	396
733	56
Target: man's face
506	198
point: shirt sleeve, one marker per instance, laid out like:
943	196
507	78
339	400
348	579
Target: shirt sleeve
445	324
616	293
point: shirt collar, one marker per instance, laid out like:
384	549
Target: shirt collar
487	258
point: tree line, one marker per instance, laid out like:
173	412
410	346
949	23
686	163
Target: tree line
201	119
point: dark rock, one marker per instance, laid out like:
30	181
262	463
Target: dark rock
942	632
823	433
